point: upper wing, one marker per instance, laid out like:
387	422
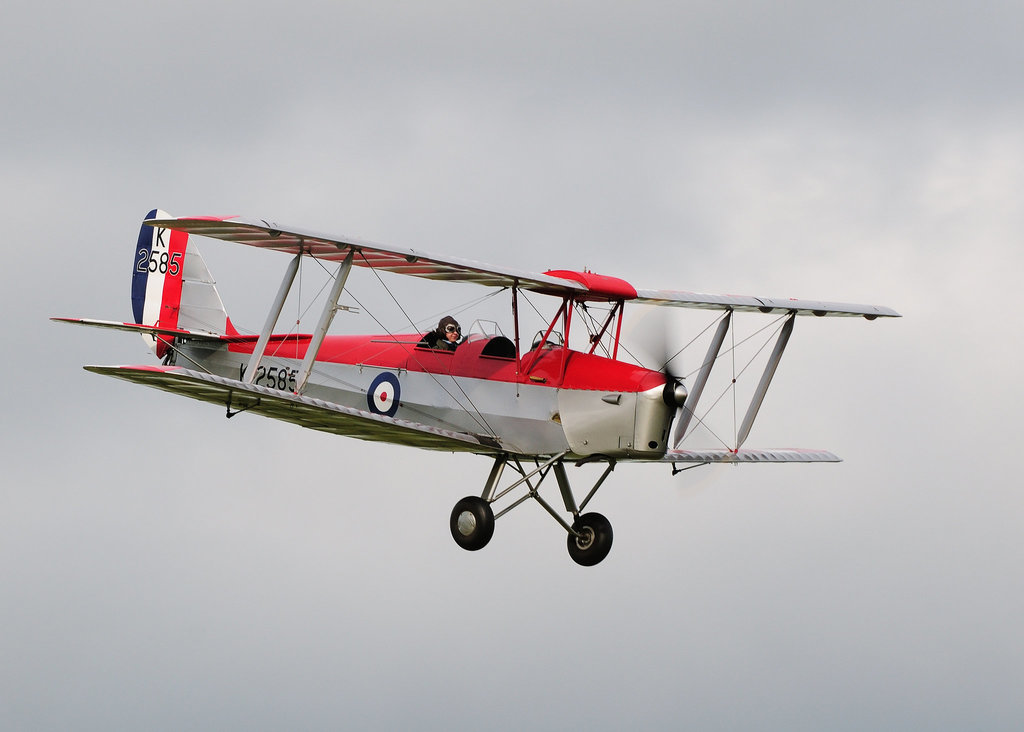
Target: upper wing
369	254
267	235
761	304
313	413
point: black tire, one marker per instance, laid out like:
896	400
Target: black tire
596	542
472	523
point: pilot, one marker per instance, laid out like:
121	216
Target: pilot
446	337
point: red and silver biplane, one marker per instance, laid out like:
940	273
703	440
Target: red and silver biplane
531	407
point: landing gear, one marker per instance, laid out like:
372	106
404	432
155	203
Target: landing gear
472	523
589	537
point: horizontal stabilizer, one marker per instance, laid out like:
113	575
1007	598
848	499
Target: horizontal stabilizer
152	330
177	332
746	455
305	411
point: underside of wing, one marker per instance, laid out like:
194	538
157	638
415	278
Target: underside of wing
748	455
315	414
674	298
267	235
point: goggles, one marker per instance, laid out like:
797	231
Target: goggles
452	329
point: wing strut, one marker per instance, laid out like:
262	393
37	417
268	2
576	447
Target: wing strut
330	308
272	317
766	380
690	405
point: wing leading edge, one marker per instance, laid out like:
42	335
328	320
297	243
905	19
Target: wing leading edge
304	411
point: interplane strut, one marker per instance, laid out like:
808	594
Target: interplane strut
330	308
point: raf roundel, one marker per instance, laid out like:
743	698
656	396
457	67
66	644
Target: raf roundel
384	394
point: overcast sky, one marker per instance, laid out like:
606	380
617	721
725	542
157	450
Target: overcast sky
164	568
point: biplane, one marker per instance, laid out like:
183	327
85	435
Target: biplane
531	407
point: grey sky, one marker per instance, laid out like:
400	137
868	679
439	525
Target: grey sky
165	568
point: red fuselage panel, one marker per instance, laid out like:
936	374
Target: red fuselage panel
581	370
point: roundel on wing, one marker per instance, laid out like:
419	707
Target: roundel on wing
384	394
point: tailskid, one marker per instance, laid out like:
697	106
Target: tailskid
589	536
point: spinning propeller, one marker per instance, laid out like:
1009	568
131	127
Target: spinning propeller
655	349
654	341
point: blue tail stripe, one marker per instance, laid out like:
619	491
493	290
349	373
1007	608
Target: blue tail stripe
140	271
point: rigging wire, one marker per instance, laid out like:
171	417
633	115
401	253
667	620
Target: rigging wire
522	294
731	387
736	345
593	326
172	346
482	421
337	380
691	342
456	309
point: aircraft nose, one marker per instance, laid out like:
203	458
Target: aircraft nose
674	393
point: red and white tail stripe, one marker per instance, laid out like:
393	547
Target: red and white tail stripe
172	287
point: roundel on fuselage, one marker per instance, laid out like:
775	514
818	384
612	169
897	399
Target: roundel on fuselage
384	394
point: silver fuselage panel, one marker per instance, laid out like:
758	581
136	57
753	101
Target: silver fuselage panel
527	418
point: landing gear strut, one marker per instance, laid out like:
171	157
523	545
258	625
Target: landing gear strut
589	537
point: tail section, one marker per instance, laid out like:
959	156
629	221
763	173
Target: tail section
172	287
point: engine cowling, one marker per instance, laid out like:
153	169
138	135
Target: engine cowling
616	424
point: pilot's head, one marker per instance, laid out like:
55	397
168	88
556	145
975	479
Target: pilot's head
449	329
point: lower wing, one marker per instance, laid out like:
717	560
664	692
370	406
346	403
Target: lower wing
315	414
746	455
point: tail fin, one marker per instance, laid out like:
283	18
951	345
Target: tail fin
172	287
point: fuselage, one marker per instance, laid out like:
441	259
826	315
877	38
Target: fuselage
551	400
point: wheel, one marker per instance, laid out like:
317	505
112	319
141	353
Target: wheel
595	541
472	523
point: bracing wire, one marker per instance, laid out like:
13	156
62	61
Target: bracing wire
731	387
593	326
481	421
479	417
456	309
